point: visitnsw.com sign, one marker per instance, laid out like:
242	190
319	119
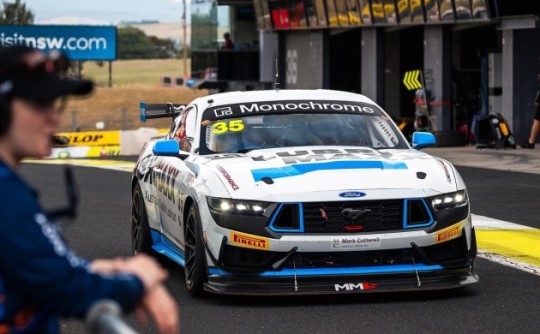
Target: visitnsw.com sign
78	42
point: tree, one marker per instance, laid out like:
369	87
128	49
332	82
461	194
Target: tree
134	44
165	47
15	13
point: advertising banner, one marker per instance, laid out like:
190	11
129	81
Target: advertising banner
77	42
91	138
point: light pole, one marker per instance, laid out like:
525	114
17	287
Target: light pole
184	40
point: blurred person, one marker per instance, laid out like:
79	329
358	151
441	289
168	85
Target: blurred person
41	278
536	122
228	44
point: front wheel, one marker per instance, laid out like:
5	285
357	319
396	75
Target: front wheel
195	255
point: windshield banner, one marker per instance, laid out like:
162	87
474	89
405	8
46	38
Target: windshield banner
298	106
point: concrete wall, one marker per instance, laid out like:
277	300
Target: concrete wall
373	64
304	55
437	72
392	77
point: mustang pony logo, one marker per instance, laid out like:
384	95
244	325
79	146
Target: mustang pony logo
354	214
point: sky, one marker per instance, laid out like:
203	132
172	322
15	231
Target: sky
104	11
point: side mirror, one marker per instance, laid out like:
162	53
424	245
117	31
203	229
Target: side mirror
169	148
421	140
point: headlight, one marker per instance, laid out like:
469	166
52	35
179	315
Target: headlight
450	200
236	207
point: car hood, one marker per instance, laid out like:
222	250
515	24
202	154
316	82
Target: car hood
325	173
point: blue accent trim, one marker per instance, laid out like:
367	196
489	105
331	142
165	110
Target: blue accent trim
299	169
166	148
423	139
142	111
406	214
391	269
156	236
276	213
163	246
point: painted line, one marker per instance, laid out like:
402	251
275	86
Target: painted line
487	223
505	261
123	166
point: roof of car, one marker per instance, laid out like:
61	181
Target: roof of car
282	95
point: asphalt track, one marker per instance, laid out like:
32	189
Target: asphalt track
505	300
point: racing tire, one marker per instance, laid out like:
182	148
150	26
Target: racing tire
195	254
141	241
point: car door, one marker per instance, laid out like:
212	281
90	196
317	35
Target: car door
177	177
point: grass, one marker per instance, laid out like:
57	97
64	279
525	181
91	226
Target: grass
134	72
134	81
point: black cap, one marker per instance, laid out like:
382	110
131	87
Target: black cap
34	75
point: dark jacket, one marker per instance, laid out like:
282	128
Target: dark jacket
41	279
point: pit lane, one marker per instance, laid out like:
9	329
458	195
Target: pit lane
505	300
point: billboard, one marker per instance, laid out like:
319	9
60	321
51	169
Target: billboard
78	42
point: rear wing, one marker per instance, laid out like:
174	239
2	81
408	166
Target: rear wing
159	110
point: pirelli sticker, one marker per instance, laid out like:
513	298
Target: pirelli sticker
448	233
250	241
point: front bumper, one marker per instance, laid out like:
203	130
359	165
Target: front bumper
436	279
247	272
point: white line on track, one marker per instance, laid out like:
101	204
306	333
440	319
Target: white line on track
487	223
506	261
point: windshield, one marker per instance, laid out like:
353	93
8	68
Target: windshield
243	134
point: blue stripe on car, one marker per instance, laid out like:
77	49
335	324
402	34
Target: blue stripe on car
300	169
400	268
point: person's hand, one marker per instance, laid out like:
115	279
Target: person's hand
146	269
162	308
106	266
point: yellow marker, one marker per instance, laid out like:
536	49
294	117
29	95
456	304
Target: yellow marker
522	245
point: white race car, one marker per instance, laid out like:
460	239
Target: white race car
299	192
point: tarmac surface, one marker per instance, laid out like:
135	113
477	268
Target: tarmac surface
503	185
510	160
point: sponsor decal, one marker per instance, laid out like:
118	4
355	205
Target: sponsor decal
228	177
163	176
304	168
352	194
155	200
222	112
91	138
249	241
368	242
293	106
355	286
448	233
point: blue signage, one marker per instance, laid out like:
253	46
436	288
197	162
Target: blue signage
77	42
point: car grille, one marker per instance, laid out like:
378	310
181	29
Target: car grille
353	216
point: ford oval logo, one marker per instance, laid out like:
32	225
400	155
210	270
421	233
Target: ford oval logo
352	194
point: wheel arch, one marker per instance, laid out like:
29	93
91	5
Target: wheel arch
187	205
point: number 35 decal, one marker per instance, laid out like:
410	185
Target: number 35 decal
235	125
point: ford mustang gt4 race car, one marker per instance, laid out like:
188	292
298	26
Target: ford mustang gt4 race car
299	192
